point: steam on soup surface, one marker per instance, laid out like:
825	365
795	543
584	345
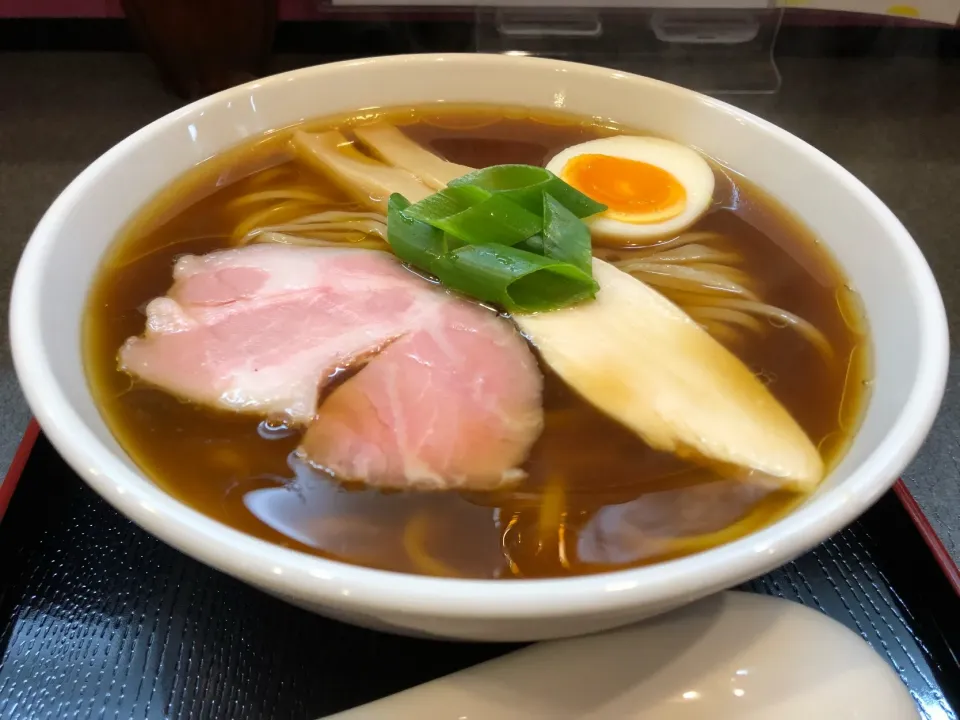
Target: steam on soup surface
586	493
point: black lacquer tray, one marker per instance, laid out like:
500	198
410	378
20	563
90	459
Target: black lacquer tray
98	619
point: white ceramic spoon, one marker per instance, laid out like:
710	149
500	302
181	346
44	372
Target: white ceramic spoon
734	655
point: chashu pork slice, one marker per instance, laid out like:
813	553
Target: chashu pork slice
448	395
640	359
456	402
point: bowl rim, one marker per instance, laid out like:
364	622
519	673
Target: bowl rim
299	575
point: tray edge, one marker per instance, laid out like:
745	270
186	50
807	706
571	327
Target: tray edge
929	535
18	464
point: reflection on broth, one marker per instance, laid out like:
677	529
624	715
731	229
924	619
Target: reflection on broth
593	496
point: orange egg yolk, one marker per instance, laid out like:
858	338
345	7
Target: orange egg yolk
633	191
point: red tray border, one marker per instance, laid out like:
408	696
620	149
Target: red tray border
18	464
940	553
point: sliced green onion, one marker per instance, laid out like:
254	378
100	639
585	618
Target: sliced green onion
509	234
533	244
515	279
447	203
526	185
476	216
451	242
565	238
412	241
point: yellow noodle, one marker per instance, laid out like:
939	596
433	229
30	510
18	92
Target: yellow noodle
721	332
552	509
364	227
562	546
731	273
687	238
264	217
851	398
131	384
415	541
850	304
354	240
829	443
266	177
693	253
284	194
777	317
514	568
684	277
725	315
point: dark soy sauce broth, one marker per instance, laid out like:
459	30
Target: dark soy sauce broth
596	498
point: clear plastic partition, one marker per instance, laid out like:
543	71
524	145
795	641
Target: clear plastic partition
714	46
713	50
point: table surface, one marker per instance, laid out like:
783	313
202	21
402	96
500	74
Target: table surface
894	122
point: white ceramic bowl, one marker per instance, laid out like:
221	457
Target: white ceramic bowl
903	305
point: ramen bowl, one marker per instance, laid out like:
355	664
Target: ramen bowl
900	298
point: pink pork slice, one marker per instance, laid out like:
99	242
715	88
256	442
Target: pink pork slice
449	395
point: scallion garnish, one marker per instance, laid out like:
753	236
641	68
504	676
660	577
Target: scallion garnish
516	279
476	216
565	237
526	185
412	241
509	234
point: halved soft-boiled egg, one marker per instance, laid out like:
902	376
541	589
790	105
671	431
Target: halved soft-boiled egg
652	188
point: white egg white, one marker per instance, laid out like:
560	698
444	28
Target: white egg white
687	166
